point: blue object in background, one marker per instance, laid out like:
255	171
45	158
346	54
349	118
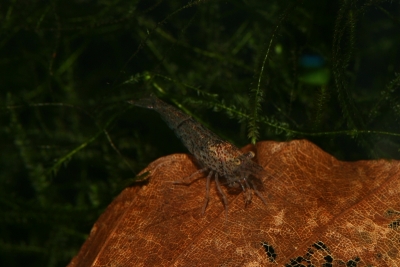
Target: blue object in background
313	70
311	61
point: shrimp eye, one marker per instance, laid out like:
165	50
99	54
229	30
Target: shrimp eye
237	161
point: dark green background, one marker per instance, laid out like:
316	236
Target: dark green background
70	142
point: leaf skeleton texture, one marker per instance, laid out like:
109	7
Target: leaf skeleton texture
320	212
216	156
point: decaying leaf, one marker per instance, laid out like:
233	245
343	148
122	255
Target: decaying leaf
320	212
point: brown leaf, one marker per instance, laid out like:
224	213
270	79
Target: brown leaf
320	211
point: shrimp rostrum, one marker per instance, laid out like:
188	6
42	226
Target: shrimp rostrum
217	158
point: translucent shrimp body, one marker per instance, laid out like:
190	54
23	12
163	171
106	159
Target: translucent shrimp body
216	157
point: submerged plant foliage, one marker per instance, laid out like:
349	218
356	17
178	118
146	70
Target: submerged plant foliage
251	70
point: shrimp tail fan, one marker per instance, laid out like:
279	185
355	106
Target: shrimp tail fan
147	102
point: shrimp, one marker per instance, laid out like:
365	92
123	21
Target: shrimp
217	157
